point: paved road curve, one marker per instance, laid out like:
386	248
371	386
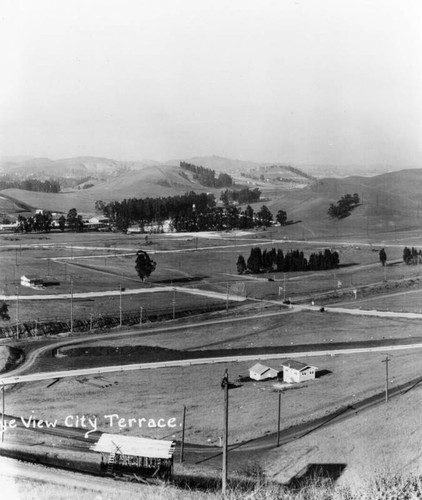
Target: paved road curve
198	361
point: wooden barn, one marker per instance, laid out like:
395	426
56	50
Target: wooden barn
295	371
133	455
262	372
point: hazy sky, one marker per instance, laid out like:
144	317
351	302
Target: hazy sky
305	81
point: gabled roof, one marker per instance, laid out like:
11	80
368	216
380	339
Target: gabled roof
260	369
296	365
134	446
30	277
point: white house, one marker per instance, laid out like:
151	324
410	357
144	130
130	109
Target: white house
295	371
262	372
32	282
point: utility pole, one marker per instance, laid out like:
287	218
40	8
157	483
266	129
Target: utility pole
183	435
386	360
227	299
140	317
71	305
174	303
90	322
120	306
225	387
278	420
17	312
284	286
2	415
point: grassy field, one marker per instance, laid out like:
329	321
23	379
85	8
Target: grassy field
98	262
283	329
253	405
105	261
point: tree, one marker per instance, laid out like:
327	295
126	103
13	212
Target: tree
265	217
383	256
255	260
241	265
281	217
144	264
62	222
4	311
72	219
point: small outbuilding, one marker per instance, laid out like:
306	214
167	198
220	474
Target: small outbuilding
133	455
295	371
32	281
262	372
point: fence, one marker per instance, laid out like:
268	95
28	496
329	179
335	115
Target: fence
131	318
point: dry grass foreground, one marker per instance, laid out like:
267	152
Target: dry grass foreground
28	481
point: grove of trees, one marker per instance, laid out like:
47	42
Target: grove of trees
273	260
412	256
188	212
241	196
39	223
48	186
206	176
343	208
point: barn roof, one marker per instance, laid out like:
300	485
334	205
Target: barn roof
260	369
135	446
296	365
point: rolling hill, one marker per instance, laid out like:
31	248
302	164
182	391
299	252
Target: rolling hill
389	201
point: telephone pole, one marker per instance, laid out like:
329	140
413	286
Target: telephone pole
278	420
2	415
183	435
71	305
140	316
120	306
225	387
17	312
227	299
174	303
386	360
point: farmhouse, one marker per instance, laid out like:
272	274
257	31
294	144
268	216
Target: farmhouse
295	371
134	455
32	281
262	372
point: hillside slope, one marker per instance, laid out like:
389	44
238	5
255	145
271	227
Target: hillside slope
384	440
389	202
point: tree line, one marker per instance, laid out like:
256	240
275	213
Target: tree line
343	208
39	223
412	256
207	177
188	212
273	260
241	196
48	186
42	222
